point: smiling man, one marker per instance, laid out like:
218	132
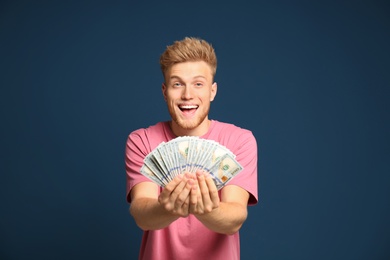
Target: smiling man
189	218
188	91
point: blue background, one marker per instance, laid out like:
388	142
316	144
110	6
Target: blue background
309	78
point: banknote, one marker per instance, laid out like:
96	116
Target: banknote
189	154
225	170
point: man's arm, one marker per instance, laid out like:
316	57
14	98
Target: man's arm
225	216
152	211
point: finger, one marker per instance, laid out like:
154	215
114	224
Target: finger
213	191
177	190
170	187
170	192
204	192
185	208
190	176
194	195
182	199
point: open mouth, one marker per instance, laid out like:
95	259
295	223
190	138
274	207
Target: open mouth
188	109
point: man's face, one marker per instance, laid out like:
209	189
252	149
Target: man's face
188	91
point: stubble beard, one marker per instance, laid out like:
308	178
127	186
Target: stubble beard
189	124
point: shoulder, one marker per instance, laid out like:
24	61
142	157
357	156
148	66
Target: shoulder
230	127
148	137
147	132
232	132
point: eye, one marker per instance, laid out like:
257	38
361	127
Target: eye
176	84
199	84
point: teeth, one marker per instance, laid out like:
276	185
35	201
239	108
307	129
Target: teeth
188	107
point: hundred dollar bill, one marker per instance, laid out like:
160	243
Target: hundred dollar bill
182	148
189	154
154	167
145	170
225	170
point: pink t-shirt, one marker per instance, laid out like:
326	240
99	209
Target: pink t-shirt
188	238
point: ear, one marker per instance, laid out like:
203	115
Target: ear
213	91
164	91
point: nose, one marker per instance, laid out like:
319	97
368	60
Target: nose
187	93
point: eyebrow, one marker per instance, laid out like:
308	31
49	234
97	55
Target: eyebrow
196	77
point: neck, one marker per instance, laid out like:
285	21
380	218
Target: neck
197	131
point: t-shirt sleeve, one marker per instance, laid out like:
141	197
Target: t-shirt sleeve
246	154
136	150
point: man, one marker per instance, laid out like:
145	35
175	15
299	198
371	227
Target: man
189	218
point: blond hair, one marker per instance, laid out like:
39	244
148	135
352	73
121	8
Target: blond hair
188	49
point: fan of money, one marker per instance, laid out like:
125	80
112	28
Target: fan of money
189	154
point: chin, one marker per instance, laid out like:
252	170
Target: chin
188	125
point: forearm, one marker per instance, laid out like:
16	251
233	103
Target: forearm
226	219
150	215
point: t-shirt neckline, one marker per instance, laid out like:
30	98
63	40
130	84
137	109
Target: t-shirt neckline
171	135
